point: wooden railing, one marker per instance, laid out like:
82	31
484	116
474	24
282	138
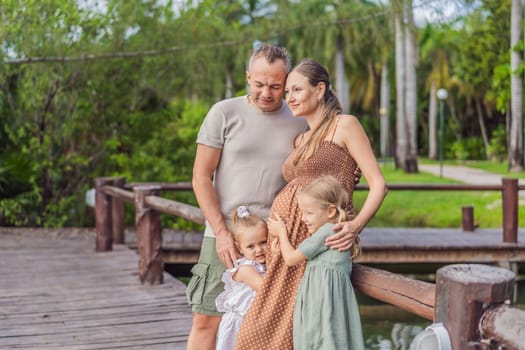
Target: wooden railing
122	192
509	189
471	300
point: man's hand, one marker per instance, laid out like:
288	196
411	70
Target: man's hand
347	232
226	249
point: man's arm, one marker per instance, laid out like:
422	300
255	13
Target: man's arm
206	161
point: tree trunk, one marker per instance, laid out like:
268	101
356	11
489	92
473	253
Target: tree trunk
229	85
342	87
384	111
410	89
46	181
432	123
482	127
516	85
401	132
507	124
451	105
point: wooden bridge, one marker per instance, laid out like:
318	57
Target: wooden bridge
503	246
481	293
57	293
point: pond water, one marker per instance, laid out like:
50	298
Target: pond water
385	327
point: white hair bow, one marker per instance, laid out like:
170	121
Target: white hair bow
243	211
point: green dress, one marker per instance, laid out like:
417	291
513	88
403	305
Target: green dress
326	315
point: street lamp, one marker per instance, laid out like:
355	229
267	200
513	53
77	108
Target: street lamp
442	96
383	132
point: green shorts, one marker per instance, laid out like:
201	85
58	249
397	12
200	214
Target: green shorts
206	282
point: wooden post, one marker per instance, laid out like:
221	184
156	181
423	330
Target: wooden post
463	291
509	194
467	218
149	237
103	222
117	212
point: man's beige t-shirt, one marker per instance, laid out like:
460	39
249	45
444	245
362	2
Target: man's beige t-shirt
254	146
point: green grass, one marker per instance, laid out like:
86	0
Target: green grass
433	208
184	279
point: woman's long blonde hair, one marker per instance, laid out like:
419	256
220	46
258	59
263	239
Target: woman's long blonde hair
316	74
328	191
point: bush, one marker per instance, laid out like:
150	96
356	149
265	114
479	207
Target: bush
163	152
469	148
498	145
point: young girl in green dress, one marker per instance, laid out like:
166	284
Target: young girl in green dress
326	314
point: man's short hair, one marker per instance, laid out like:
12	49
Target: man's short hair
271	52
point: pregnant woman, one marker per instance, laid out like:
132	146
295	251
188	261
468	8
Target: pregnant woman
335	145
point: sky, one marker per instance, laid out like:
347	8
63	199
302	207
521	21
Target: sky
424	10
437	11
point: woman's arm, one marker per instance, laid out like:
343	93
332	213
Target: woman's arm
249	275
350	133
290	255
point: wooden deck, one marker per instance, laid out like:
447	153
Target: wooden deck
389	246
57	293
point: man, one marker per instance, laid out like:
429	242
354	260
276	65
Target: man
241	147
242	144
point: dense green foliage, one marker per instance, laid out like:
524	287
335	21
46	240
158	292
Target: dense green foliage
119	88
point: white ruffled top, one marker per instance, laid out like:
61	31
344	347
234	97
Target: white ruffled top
237	296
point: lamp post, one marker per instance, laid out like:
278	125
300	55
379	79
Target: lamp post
383	133
442	96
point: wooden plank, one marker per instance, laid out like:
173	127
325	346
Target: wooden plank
189	212
117	192
415	296
57	293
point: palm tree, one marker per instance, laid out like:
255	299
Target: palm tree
384	111
433	48
401	134
411	88
516	125
406	97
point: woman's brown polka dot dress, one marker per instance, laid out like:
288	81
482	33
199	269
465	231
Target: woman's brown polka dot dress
268	324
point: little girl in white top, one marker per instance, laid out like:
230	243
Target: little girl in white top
241	281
